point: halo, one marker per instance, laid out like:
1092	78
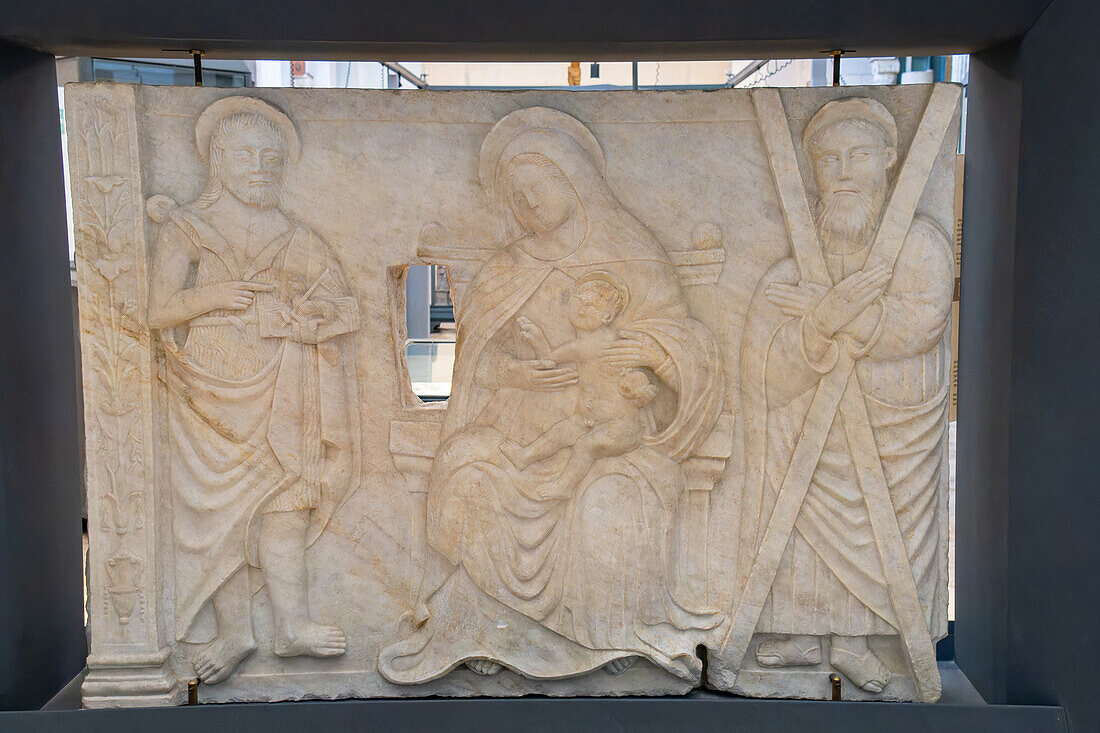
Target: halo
514	124
213	114
861	108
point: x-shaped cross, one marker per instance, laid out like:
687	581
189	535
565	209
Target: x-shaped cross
840	390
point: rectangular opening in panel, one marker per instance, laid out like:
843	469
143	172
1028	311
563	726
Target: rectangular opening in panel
430	324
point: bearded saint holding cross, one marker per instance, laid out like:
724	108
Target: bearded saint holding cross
830	592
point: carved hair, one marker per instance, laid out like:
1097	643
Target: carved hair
864	112
858	122
228	125
609	295
619	294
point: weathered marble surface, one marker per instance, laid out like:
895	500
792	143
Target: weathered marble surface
668	426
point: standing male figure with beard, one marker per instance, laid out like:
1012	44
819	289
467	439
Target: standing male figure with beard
252	308
829	596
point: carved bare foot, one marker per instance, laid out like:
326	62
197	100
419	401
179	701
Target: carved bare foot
515	453
801	651
618	666
484	667
220	658
859	664
312	640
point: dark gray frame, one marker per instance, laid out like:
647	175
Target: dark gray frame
1027	548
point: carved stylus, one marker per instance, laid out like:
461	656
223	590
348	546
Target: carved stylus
312	288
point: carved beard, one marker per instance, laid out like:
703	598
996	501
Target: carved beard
262	197
849	217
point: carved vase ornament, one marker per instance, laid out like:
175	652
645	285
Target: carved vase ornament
699	396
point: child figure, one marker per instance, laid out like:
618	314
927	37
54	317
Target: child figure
608	420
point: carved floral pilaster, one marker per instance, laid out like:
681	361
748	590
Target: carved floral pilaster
127	658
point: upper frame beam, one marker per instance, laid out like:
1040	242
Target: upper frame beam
565	30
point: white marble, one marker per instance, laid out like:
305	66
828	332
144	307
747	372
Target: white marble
698	399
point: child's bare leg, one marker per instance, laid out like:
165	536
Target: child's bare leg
613	438
561	434
584	455
609	439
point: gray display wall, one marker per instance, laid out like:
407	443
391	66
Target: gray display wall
41	618
1053	458
1028	463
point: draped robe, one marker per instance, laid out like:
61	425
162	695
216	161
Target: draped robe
572	583
255	422
830	579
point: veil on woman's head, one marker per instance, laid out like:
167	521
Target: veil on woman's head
559	138
564	141
534	130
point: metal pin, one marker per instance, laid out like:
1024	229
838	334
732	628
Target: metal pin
196	54
834	679
836	69
836	53
193	692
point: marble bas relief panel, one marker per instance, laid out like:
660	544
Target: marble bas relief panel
699	395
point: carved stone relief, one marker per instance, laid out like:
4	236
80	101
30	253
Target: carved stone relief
128	655
845	380
578	362
251	307
698	395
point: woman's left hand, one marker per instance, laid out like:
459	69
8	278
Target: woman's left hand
634	349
